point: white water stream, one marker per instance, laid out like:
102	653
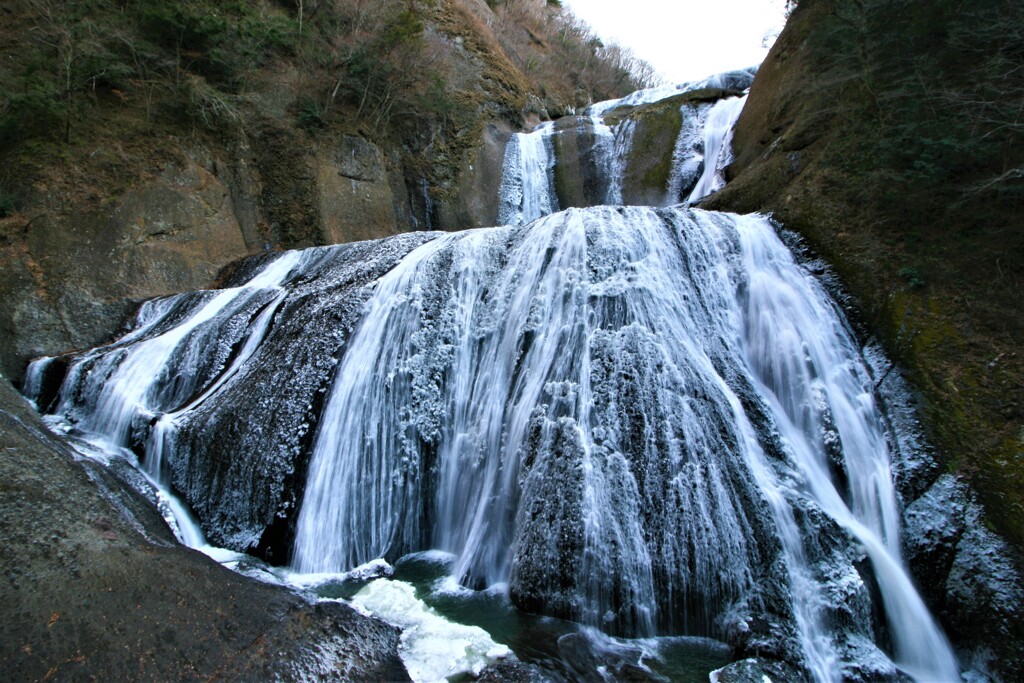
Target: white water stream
126	383
527	188
717	154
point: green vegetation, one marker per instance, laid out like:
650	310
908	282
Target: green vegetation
889	134
936	105
936	140
8	204
73	57
198	57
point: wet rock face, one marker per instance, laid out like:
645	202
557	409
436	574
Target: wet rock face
584	155
239	461
739	80
474	202
288	188
72	277
646	149
545	574
360	192
977	587
358	159
984	593
649	166
934	527
94	586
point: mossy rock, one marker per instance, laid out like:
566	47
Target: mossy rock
649	162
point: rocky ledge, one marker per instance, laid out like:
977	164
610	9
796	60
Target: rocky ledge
94	585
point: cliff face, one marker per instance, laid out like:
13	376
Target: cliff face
79	258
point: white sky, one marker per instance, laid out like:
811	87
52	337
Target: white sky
686	40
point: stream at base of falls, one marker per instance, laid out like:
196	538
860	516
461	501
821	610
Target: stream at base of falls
457	631
563	650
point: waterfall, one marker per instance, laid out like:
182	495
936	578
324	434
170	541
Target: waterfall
716	153
603	168
806	365
649	421
32	384
622	144
133	390
688	162
527	189
537	391
608	152
136	382
738	80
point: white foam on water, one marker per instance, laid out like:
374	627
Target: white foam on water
432	648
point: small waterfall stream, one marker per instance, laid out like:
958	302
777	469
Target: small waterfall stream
528	186
137	380
716	153
649	421
820	394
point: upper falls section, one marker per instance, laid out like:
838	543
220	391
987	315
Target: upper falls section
653	148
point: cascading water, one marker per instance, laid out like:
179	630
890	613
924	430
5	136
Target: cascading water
547	387
688	155
132	383
135	389
730	80
817	387
622	143
716	152
649	421
605	169
527	189
608	150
